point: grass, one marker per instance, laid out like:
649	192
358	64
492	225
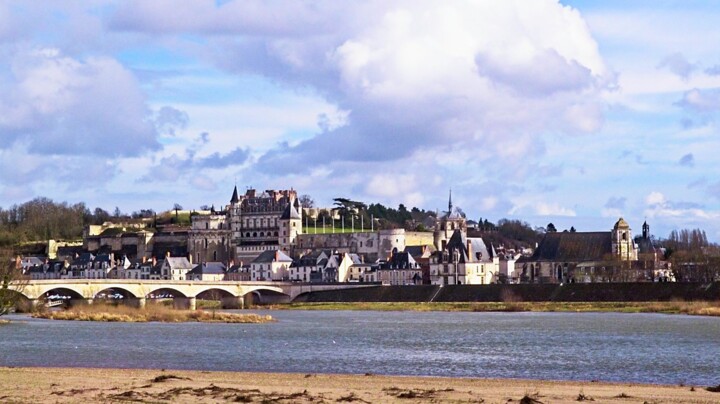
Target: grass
120	313
330	230
699	308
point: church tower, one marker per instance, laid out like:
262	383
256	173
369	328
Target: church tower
623	246
445	226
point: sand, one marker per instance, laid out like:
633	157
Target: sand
73	385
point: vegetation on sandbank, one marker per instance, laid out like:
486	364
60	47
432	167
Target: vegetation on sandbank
700	308
159	313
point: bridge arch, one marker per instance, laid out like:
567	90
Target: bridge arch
42	292
161	292
265	295
112	290
224	289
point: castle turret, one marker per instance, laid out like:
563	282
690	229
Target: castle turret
290	226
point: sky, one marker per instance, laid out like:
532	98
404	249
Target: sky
571	112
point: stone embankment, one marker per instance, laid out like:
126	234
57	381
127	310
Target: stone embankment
577	292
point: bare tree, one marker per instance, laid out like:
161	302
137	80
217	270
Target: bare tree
11	282
306	201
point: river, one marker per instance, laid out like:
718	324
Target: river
651	348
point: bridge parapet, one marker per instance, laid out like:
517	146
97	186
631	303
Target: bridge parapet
141	288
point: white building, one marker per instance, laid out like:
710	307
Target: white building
271	265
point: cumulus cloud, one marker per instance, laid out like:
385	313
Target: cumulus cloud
713	70
541	208
174	167
658	206
687	160
411	75
701	100
56	104
677	64
168	120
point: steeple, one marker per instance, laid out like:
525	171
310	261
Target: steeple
235	198
450	202
646	230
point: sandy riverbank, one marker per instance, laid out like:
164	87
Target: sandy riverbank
50	385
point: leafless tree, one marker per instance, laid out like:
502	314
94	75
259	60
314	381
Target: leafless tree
12	282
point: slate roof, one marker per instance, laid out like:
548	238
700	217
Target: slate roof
574	246
208	268
269	256
400	260
290	212
235	198
178	262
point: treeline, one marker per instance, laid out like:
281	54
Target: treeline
41	219
686	240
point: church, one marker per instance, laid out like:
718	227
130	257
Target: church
609	256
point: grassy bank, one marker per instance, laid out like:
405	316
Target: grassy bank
159	313
672	307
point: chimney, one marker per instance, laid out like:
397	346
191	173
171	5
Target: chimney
190	258
167	254
470	251
144	259
154	261
18	262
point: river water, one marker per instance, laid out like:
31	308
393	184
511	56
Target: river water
653	348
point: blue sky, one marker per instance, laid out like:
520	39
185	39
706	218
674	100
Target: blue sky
574	113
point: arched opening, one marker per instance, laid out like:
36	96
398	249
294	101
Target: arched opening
217	299
265	296
61	297
168	297
22	302
113	295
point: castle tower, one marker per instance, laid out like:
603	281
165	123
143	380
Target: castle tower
646	231
233	212
290	226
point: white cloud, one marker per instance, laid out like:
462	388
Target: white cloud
478	75
701	100
655	198
60	105
540	208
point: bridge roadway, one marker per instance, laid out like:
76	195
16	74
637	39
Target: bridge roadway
140	289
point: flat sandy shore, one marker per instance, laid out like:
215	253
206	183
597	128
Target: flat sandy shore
51	385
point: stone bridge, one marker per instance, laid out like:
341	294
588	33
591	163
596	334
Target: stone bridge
140	290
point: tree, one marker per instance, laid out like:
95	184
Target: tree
177	207
10	274
572	229
550	228
306	201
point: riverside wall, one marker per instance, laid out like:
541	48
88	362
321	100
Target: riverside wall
594	292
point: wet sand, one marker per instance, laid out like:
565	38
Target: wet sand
73	385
